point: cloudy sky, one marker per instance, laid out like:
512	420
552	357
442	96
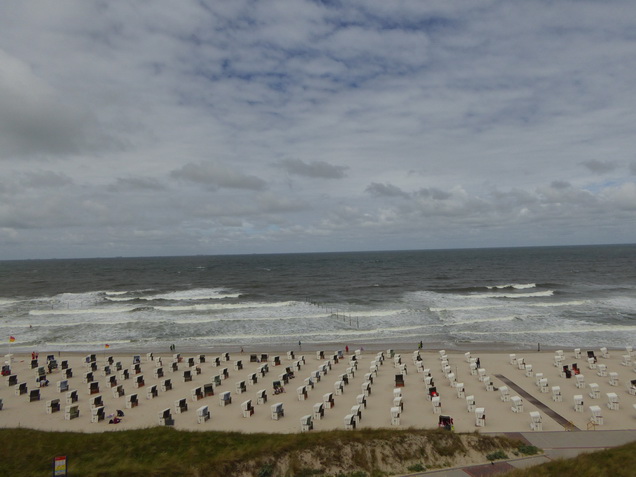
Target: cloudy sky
136	128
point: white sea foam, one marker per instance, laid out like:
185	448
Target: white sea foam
511	295
518	286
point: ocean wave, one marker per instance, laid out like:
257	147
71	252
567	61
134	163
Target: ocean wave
516	286
513	295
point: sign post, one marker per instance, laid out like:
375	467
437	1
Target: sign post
59	466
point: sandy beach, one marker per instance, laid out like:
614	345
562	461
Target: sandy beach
244	376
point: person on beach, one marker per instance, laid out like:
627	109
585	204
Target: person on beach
478	363
347	348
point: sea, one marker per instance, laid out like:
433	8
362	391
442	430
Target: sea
524	298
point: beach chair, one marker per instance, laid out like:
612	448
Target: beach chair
356	410
428	381
165	418
578	402
277	411
577	353
490	386
180	406
306	423
112	381
580	381
225	374
480	417
627	360
216	362
328	400
467	356
481	374
601	370
262	370
366	388
369	377
613	379
98	414
339	387
373	370
119	366
72	397
238	365
604	352
319	410
451	379
513	359
344	378
543	385
247	408
190	362
397	360
442	354
208	390
591	363
362	400
71	412
216	380
278	387
135	369
398	401
106	371
597	415
12	380
252	379
399	380
565	372
504	393
118	391
174	366
21	389
64	364
529	372
301	391
225	398
309	382
558	361
132	400
196	393
395	416
68	373
461	391
158	373
632	387
124	374
187	376
177	358
521	363
594	391
556	394
535	421
203	414
53	406
397	392
275	361
241	387
419	366
96	401
537	379
629	350
349	422
432	392
88	377
93	388
437	405
517	404
166	385
612	401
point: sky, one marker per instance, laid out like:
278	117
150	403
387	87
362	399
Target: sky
138	128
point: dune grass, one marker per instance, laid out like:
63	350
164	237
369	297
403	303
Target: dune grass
166	452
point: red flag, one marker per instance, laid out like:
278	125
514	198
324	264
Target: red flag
11	339
107	346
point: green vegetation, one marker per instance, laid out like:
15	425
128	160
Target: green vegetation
164	452
616	462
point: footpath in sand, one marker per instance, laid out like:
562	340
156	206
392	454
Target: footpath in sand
195	376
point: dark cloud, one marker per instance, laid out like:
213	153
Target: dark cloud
316	169
216	175
600	167
385	190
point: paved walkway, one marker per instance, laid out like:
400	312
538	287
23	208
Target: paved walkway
555	445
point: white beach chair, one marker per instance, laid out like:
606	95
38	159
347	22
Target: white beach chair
196	393
521	363
203	414
225	398
529	371
591	363
578	402
461	390
247	408
594	391
480	417
580	381
504	393
165	418
517	404
481	373
398	402
437	405
612	401
277	411
470	403
319	410
180	406
577	353
535	421
490	386
71	412
132	400
473	369
537	379
597	415
362	400
543	385
98	414
556	394
395	416
356	410
613	379
601	370
627	360
152	392
604	353
328	400
306	423
513	359
261	396
467	356
339	387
